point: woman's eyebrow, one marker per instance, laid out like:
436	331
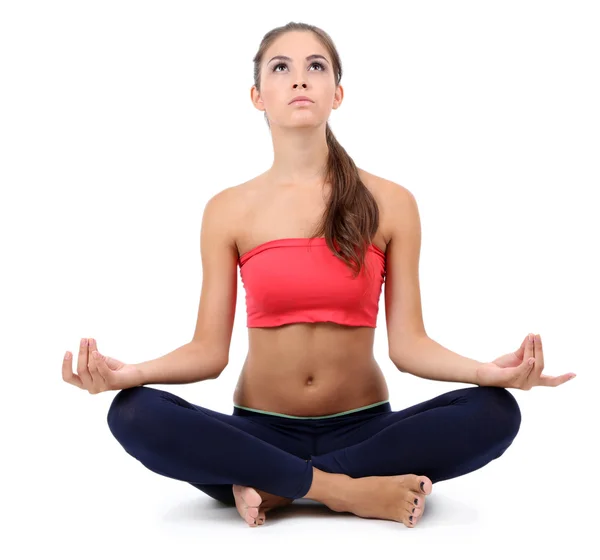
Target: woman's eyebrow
309	57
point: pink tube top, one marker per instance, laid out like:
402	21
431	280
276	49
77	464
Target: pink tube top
299	280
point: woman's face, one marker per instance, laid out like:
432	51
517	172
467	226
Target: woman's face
282	80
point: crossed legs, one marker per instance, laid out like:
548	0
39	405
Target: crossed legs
389	455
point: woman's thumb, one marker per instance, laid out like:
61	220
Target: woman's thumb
103	358
113	363
529	363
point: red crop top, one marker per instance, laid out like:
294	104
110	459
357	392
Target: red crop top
299	280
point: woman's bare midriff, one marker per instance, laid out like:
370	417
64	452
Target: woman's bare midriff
303	369
310	369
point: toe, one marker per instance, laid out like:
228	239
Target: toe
421	484
425	485
411	509
416	500
250	519
248	501
251	497
252	512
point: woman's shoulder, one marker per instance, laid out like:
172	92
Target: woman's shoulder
237	197
242	193
379	185
391	198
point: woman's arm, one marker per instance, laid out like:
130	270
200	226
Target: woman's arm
207	355
409	347
189	363
427	359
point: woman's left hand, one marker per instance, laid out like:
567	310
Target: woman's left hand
513	370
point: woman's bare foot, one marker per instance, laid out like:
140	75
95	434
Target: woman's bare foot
252	504
398	498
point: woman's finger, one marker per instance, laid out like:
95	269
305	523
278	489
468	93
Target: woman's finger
97	378
536	372
531	374
102	368
82	365
67	371
519	374
520	353
551	381
528	350
539	352
92	365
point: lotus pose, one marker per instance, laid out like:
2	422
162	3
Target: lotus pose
315	239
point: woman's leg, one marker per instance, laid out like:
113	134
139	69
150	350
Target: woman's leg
210	450
444	437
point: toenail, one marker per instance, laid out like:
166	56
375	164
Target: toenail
422	486
410	517
413	510
416	502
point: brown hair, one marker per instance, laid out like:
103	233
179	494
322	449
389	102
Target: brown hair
352	216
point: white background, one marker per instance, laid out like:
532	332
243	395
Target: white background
119	120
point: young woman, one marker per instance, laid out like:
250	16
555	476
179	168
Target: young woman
311	415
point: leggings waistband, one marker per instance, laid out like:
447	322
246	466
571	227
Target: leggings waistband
245	411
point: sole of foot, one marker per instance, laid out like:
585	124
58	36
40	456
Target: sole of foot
253	504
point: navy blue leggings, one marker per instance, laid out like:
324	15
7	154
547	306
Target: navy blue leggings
445	437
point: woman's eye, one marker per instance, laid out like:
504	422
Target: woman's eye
283	64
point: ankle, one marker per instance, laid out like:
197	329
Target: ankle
331	489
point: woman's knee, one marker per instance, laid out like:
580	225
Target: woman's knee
126	408
500	407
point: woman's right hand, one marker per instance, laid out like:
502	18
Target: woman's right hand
101	373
